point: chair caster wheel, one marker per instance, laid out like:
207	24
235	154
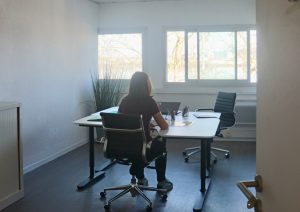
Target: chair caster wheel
227	155
149	208
186	160
102	194
184	153
106	206
164	198
215	161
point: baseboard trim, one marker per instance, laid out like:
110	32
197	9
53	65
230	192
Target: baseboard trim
35	165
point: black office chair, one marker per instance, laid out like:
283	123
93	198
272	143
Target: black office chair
225	103
126	142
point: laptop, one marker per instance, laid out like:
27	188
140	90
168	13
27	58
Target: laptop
167	107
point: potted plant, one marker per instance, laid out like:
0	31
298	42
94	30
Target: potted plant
107	92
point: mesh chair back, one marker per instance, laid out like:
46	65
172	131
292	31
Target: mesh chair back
125	137
225	103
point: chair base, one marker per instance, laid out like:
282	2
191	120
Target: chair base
134	189
188	152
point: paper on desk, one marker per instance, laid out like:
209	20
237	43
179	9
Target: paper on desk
205	115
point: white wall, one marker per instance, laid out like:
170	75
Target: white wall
155	16
47	49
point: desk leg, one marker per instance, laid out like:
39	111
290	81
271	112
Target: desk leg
208	155
205	182
94	176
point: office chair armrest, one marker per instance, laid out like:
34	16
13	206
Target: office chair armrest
204	109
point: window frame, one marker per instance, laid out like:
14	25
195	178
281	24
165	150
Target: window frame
134	30
208	82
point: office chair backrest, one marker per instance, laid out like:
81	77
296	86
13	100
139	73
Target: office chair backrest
125	137
225	103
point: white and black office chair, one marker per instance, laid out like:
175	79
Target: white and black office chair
126	142
224	104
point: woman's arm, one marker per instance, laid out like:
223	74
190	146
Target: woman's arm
161	122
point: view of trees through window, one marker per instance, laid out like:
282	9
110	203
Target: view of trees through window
211	55
253	65
175	56
242	55
119	55
217	55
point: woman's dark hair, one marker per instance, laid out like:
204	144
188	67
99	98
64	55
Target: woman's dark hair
140	85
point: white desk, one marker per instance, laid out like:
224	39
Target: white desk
199	127
203	129
94	119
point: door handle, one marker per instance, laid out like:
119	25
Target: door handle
253	202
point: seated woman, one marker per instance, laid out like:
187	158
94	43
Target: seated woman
140	102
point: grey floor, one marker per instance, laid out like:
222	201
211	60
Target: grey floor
52	187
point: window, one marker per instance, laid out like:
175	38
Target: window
119	55
216	55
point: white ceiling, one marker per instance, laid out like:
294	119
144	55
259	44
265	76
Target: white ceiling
123	1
